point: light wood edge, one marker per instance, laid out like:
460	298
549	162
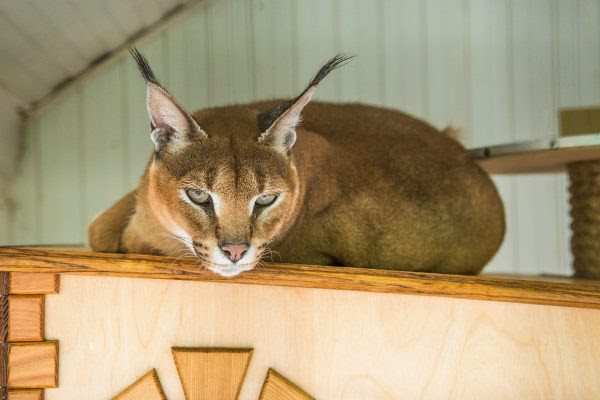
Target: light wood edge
153	374
546	155
42	299
54	290
12	392
23	344
250	352
272	373
571	293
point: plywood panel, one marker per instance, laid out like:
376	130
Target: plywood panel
33	365
382	346
26	318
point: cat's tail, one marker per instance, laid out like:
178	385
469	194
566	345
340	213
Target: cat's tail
453	133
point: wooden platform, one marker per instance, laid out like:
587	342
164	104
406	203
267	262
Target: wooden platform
389	334
535	290
537	156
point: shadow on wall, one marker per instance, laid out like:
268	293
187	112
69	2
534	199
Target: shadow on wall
10	141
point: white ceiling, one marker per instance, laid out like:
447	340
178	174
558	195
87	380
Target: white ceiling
44	42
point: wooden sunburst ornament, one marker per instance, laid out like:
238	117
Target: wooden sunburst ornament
212	373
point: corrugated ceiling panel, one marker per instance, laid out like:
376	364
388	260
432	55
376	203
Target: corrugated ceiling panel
45	42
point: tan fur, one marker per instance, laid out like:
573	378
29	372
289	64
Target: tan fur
453	133
365	186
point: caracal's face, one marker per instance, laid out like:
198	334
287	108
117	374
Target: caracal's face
225	199
223	182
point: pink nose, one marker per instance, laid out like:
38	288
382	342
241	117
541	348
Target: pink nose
235	251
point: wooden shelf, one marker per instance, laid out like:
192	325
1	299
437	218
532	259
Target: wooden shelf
538	156
563	292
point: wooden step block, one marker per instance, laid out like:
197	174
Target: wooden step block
34	283
277	387
145	388
26	318
26	394
33	365
211	373
579	120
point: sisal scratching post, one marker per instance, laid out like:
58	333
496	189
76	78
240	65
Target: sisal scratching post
584	189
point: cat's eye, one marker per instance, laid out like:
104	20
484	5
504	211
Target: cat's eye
198	196
266	200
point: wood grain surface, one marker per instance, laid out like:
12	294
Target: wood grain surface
26	318
334	344
579	120
583	293
4	307
33	365
28	283
278	387
147	387
211	373
540	161
26	394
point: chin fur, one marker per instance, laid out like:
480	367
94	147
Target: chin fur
230	271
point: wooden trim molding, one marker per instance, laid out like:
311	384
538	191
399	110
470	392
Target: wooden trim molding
562	292
26	318
33	365
28	283
26	394
28	363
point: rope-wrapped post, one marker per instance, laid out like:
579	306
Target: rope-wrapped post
585	213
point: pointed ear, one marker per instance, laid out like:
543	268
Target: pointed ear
172	127
278	125
171	124
281	134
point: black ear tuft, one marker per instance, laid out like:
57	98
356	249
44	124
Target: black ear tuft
143	66
339	60
267	118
